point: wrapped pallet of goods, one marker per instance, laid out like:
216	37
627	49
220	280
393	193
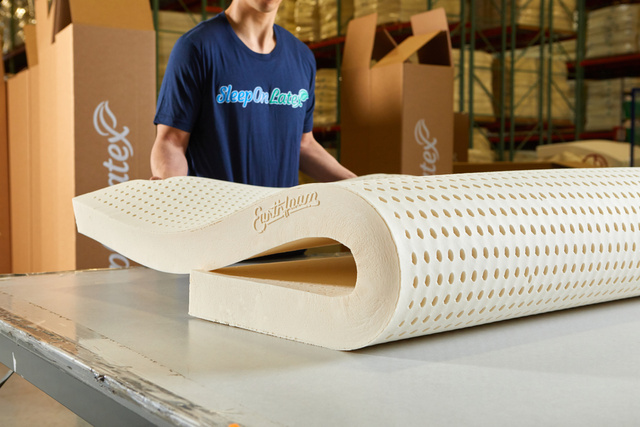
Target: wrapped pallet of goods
326	108
391	10
305	15
606	101
526	87
565	50
482	83
399	10
402	10
613	30
452	8
364	8
527	14
328	16
285	16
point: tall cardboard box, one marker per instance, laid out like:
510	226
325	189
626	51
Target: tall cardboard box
18	91
5	219
96	102
23	119
19	177
397	114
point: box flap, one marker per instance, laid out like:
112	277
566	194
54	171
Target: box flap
437	51
129	14
62	16
359	42
408	47
31	45
44	23
364	43
384	43
429	22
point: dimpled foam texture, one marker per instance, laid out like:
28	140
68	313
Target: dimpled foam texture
479	248
431	253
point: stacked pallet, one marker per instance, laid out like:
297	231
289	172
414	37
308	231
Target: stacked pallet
401	10
452	7
606	102
306	18
285	16
326	109
328	16
527	14
482	82
529	87
613	30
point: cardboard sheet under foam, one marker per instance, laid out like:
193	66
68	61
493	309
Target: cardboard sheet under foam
428	254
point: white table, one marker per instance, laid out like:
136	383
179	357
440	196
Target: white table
118	348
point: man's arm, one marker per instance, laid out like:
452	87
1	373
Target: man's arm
168	153
316	162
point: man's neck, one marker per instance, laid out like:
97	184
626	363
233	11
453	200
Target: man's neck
253	27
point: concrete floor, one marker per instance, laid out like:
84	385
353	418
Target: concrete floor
23	404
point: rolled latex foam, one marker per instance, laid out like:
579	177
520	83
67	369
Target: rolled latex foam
428	254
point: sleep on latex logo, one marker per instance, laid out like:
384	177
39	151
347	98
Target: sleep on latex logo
228	95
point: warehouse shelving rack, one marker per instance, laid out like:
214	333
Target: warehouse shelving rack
504	41
509	133
625	65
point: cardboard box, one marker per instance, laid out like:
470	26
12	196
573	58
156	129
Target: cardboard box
20	174
5	219
90	119
23	113
397	115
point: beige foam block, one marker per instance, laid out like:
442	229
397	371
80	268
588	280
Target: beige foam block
428	254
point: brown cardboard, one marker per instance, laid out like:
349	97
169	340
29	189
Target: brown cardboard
31	46
23	120
397	116
45	215
20	173
95	107
5	219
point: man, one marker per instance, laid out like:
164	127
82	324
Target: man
236	103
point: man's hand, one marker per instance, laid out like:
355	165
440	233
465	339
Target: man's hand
168	153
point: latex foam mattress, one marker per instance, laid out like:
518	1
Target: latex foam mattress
428	254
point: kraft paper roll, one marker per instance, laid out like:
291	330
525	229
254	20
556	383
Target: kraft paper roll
428	254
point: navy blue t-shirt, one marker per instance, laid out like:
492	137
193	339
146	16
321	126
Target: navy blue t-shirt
246	112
